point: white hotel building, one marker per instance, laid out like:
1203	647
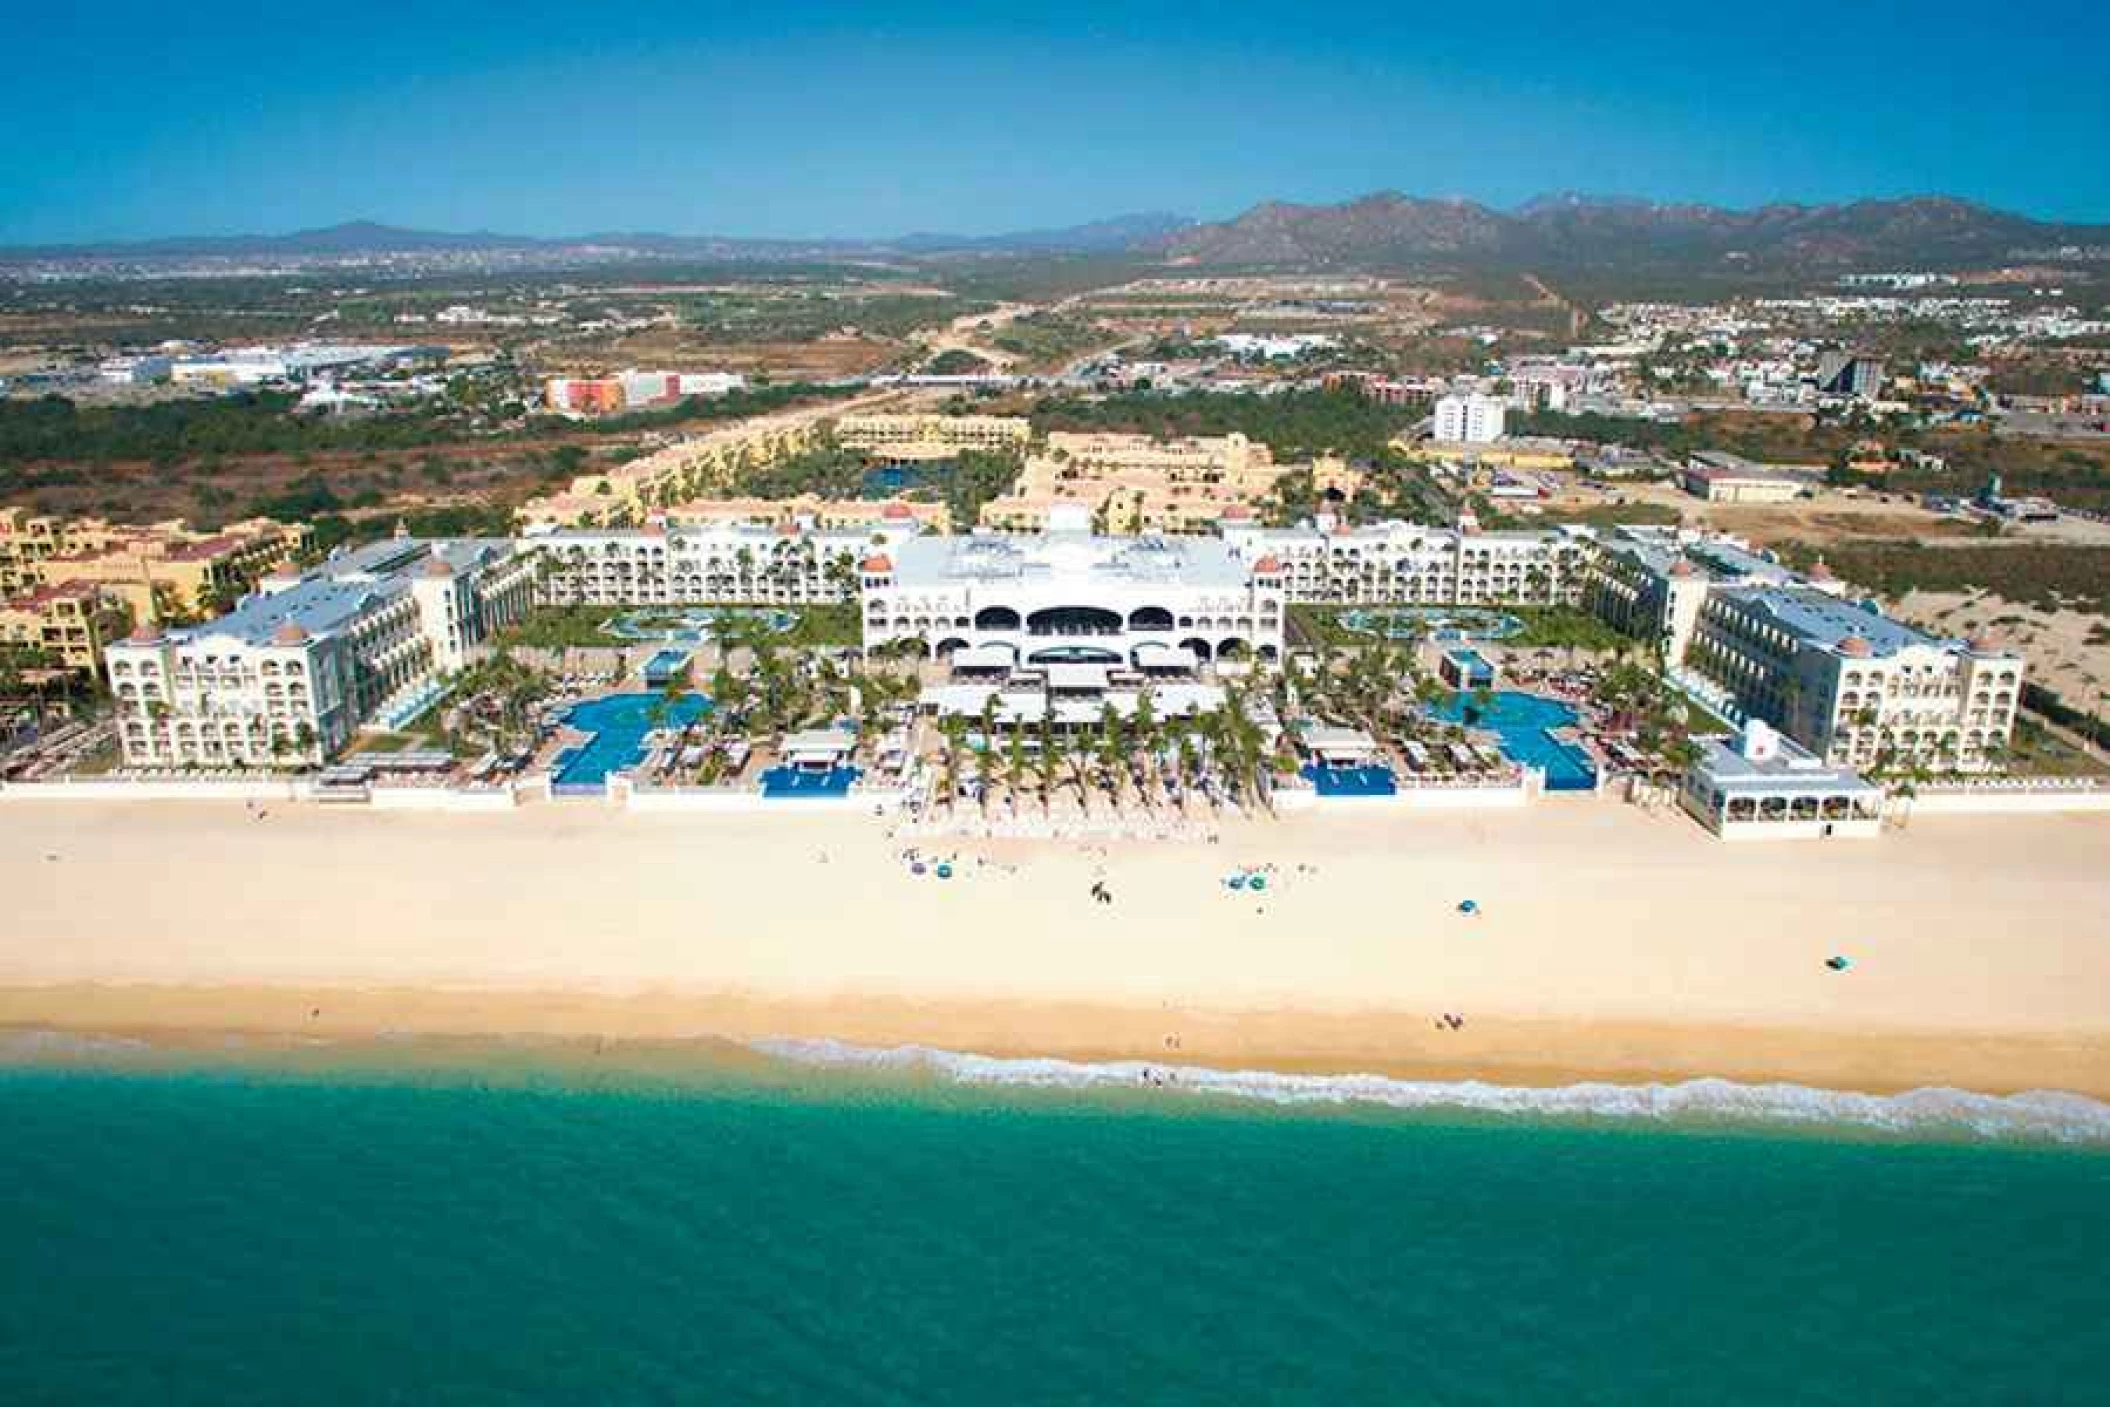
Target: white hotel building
290	674
784	564
1398	563
1068	597
1857	688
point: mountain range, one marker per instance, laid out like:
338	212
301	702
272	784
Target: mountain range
1386	230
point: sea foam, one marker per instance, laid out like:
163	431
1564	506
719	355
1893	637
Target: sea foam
2033	1115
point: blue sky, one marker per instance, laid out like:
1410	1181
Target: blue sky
126	120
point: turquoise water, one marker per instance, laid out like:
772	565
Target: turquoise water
226	1236
1351	781
789	782
619	724
1519	721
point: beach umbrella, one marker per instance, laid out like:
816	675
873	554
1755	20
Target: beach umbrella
1839	963
1259	881
1236	881
1470	906
944	871
916	868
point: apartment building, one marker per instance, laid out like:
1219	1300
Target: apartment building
1469	420
289	675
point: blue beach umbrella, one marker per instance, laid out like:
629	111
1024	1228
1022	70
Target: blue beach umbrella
944	871
1470	906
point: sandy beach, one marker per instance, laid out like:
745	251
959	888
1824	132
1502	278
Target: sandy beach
1611	944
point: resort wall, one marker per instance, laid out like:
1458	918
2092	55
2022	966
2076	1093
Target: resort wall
2006	798
156	789
1512	796
746	801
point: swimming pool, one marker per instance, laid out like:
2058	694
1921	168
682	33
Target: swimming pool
691	625
618	724
1435	622
1520	723
790	782
1352	781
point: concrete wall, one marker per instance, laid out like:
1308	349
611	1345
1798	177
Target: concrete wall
485	799
1291	801
2003	800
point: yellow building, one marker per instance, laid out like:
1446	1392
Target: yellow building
158	570
66	623
812	510
1135	483
931	436
627	493
1497	454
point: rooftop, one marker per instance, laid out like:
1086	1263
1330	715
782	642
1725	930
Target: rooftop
1829	623
930	561
1787	771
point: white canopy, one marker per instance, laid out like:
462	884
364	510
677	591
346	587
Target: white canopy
1155	654
994	655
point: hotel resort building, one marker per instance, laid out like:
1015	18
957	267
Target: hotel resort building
1140	484
787	562
65	626
159	570
1406	563
628	493
1066	596
1761	786
907	438
1756	639
292	672
1854	687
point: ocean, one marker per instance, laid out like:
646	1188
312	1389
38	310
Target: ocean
511	1224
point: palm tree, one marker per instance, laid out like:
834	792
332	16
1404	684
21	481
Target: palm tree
1014	763
954	729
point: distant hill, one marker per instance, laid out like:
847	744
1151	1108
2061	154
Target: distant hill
1391	230
362	238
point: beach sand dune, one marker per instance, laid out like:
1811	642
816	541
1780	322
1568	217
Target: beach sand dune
1609	943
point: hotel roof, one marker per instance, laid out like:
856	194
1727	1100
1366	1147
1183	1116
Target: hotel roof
1049	557
318	606
1829	623
1789	771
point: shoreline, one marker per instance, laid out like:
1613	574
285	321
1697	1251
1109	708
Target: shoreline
1399	1046
1610	944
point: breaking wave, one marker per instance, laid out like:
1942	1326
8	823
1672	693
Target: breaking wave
2033	1115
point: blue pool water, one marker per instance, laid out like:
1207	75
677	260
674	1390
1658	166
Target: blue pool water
1520	722
1472	667
691	625
1352	781
618	723
1434	622
790	782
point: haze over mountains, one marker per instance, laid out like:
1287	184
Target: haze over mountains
1386	230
